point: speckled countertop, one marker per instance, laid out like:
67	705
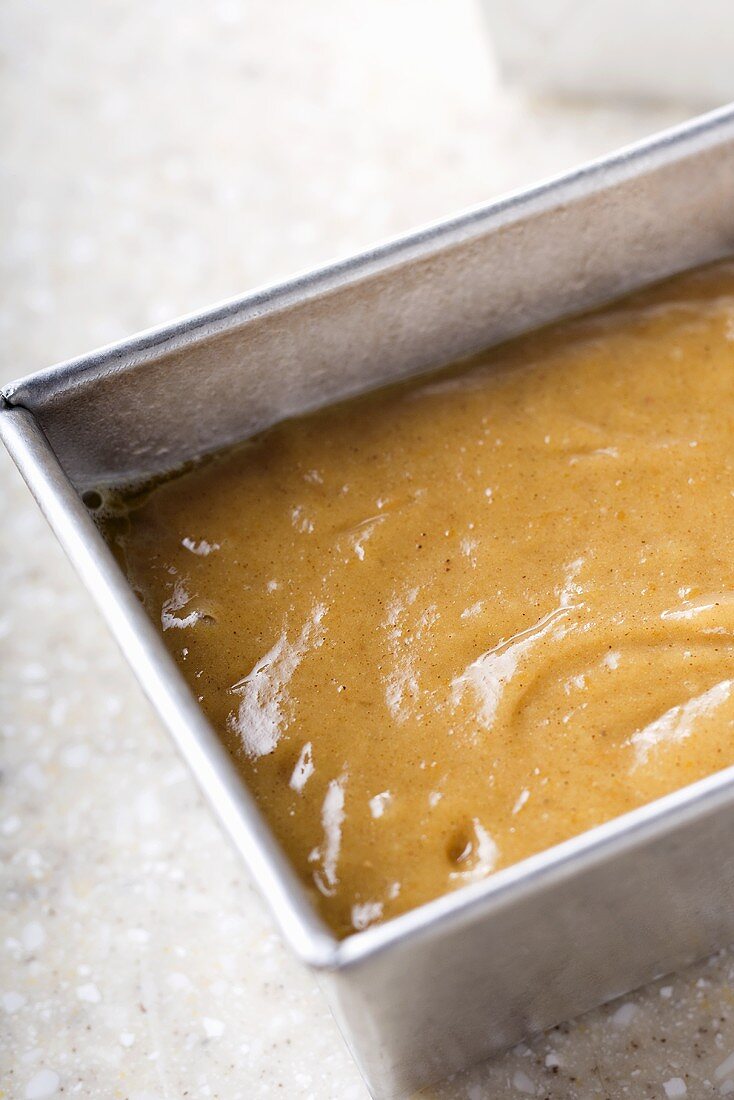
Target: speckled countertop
156	158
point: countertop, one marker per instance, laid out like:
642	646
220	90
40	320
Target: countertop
156	158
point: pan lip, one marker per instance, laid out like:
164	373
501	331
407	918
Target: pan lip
311	941
598	174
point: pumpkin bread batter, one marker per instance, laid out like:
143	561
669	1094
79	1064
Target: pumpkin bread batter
448	624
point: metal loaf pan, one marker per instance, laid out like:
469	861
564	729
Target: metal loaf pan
468	974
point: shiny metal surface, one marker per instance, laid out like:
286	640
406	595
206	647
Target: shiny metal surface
467	974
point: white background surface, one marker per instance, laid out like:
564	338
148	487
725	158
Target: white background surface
653	49
155	158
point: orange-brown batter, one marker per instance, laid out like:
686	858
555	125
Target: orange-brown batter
453	622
